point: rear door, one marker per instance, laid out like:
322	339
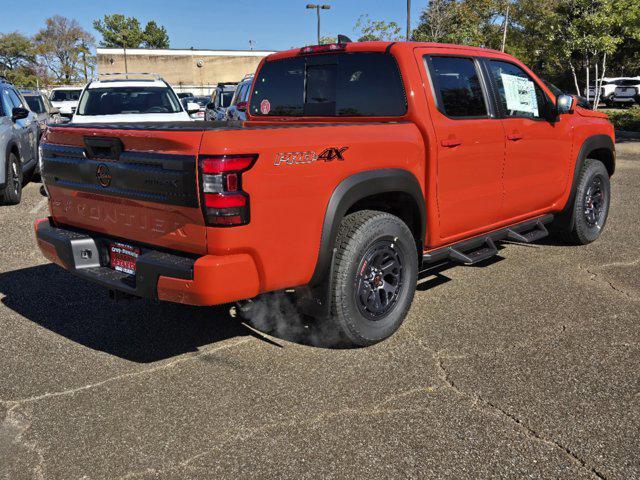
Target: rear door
538	150
130	184
470	145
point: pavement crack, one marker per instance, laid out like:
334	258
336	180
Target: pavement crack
597	277
165	366
485	406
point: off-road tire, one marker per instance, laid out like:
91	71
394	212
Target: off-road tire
362	234
578	230
13	189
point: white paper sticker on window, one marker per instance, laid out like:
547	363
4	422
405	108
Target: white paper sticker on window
520	94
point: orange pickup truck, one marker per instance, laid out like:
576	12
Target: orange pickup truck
359	164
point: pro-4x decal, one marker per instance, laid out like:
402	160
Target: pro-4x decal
300	158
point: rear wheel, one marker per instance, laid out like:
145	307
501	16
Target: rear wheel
375	273
13	189
590	206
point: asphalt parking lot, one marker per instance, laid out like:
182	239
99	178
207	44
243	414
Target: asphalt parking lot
526	367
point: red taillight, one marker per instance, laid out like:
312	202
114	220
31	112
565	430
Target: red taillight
331	47
224	201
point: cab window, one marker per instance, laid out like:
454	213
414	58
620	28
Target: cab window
518	94
457	86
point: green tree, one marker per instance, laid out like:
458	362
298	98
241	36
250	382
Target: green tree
376	30
155	36
119	31
16	50
61	46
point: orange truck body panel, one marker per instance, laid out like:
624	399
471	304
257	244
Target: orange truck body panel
485	183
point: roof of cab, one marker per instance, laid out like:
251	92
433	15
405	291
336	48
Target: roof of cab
385	46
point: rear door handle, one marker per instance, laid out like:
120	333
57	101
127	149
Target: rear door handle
450	142
514	137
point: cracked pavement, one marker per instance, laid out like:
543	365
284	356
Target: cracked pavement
525	367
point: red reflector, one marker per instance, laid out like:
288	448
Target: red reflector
215	200
331	47
228	220
232	182
226	163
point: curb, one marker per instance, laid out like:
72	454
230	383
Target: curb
624	135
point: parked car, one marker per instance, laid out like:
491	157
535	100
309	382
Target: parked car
627	93
201	101
359	164
182	95
220	101
41	105
237	111
607	91
65	99
115	98
18	143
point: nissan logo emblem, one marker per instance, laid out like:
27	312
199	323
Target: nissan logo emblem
103	175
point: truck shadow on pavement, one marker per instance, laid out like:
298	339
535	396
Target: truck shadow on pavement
143	331
136	330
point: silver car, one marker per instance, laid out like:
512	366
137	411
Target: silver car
18	143
41	106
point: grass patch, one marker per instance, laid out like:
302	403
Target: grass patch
627	120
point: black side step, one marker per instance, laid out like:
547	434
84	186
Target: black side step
477	255
536	233
480	248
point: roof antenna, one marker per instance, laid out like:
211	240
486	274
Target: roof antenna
343	39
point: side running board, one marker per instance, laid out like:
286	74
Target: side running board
478	249
477	255
536	233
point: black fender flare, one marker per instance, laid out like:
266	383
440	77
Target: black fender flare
357	187
594	142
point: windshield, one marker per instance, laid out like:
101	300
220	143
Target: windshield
35	104
65	95
127	100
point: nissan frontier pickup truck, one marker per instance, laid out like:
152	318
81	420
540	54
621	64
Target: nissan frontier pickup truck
359	164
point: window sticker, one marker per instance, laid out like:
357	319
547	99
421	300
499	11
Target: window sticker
520	94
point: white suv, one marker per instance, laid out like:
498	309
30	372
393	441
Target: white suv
132	98
65	99
608	90
627	92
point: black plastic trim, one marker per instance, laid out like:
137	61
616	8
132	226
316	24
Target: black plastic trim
355	188
594	142
150	265
148	176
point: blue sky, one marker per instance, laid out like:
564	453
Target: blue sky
216	24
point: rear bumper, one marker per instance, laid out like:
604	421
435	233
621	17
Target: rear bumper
205	280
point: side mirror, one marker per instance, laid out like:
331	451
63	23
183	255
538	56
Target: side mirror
192	107
19	113
211	106
564	104
242	106
64	120
54	111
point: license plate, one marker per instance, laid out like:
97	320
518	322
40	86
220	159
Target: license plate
123	257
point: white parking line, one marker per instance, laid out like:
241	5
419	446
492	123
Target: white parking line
41	204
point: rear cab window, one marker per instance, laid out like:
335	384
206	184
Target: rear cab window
334	85
457	86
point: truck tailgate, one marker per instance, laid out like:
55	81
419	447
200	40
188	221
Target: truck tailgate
131	184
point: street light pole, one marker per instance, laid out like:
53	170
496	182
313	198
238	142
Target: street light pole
318	7
408	20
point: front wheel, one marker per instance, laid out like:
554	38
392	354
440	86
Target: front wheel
590	207
375	274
